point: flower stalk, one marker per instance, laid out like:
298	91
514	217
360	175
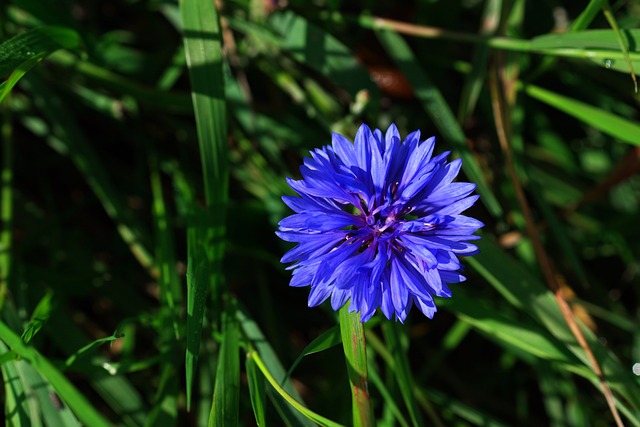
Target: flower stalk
355	351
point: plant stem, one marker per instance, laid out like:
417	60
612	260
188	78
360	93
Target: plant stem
355	351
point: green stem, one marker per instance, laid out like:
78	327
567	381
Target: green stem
355	351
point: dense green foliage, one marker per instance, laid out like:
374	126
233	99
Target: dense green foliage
144	149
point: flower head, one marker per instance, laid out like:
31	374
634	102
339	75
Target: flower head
378	222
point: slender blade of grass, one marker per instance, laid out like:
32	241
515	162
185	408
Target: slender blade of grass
310	415
203	49
269	359
257	392
224	409
77	401
21	53
609	123
327	339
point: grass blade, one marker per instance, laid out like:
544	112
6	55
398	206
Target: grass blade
609	123
21	53
256	391
68	393
324	341
270	360
224	409
318	419
203	49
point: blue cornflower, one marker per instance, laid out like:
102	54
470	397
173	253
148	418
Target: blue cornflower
378	223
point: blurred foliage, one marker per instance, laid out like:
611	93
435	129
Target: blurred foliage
119	199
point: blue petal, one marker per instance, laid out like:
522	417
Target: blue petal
426	306
344	149
318	221
319	294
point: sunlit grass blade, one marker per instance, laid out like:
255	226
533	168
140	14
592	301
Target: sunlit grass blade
203	49
587	15
256	338
15	395
436	107
524	336
257	391
403	376
310	415
609	123
85	412
21	53
599	46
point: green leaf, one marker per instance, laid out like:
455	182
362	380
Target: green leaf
607	122
310	415
602	47
203	49
39	316
272	364
257	392
67	392
224	409
197	286
22	52
327	339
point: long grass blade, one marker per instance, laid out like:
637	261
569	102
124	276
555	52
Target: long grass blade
21	53
203	49
67	392
224	409
609	123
